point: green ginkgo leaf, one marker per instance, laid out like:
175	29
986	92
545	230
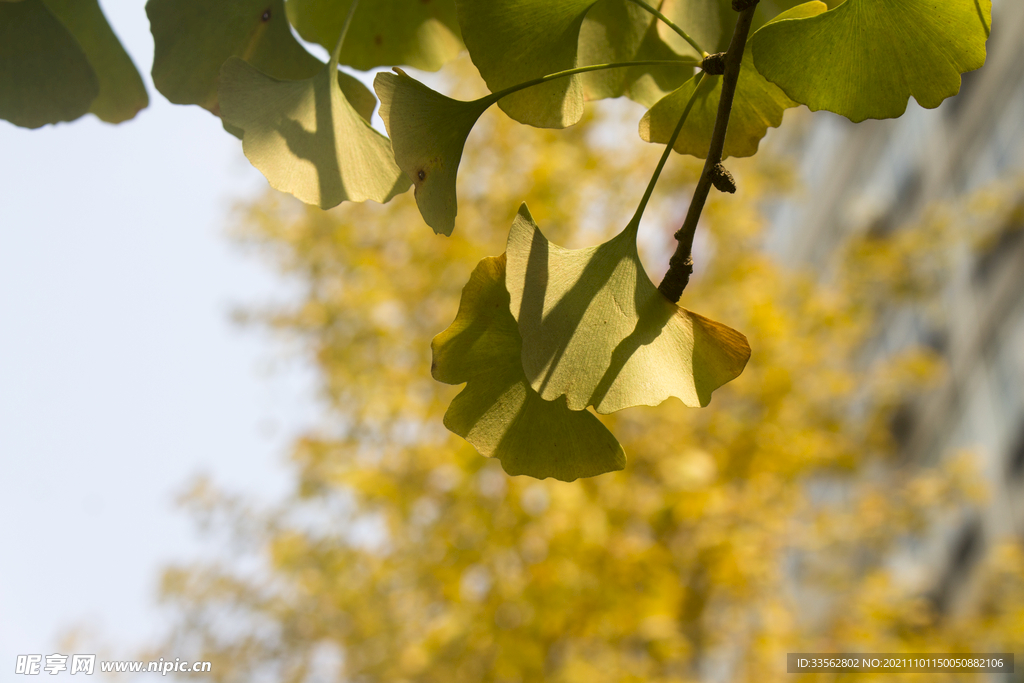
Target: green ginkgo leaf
306	138
121	90
45	76
498	412
709	22
420	33
193	38
759	105
596	330
866	58
619	31
514	41
428	132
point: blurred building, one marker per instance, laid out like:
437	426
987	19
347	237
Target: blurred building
880	175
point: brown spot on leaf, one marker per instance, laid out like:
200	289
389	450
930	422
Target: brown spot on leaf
266	15
378	39
421	174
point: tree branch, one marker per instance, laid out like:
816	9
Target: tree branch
681	264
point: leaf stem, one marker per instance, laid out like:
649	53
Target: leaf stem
681	263
635	222
494	97
672	25
336	55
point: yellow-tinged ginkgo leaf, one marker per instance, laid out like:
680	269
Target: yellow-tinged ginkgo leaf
307	138
498	412
866	58
759	105
428	132
596	330
419	33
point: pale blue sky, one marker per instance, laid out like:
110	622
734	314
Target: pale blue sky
122	376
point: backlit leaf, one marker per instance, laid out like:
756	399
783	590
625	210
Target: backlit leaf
709	22
45	76
498	412
619	31
428	132
596	330
513	41
121	91
306	137
759	105
418	33
866	58
193	38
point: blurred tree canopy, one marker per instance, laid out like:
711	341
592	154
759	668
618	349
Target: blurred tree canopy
779	519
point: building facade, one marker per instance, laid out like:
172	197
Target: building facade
880	175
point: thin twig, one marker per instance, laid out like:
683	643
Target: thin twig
681	264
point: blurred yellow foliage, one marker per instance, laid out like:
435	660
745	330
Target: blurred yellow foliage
779	519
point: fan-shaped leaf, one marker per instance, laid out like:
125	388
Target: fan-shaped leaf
709	22
45	76
121	91
428	132
306	137
866	58
759	105
420	33
619	31
498	412
596	330
514	41
193	38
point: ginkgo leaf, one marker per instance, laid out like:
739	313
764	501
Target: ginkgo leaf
514	41
498	412
45	76
121	91
306	138
866	58
618	31
596	330
709	22
428	132
420	33
193	38
759	105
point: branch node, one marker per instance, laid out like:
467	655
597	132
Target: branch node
722	179
714	65
740	5
679	271
678	275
